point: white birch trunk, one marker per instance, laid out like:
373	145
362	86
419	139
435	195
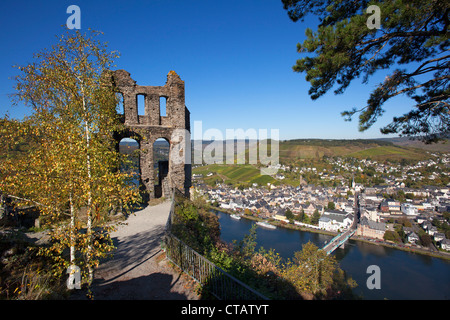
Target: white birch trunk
89	201
71	279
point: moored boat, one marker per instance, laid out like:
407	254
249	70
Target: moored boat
235	216
266	225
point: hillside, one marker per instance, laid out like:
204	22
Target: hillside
380	150
443	146
389	153
232	174
314	149
293	152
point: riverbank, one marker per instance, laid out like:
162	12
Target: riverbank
404	275
403	247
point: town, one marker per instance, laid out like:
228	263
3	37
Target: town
391	212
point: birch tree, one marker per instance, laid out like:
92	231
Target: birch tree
71	164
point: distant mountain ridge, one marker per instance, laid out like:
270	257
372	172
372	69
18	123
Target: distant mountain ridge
377	149
443	146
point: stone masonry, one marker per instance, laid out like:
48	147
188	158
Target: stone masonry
147	128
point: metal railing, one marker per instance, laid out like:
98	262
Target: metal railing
215	280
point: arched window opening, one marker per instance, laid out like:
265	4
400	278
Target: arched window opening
130	164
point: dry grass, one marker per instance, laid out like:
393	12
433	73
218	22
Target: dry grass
25	276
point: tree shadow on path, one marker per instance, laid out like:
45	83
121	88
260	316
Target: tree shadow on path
132	251
135	270
156	286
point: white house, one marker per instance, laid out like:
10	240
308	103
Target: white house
421	219
413	237
409	209
439	236
445	244
372	215
231	205
432	230
333	220
427	206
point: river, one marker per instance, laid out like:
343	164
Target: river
404	275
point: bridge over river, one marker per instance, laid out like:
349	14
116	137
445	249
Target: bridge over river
338	241
341	238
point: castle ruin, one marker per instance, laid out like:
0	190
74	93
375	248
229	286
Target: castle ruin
174	127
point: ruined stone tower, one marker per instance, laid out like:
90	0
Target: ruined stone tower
147	128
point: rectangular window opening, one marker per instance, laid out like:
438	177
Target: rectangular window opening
162	106
119	107
140	99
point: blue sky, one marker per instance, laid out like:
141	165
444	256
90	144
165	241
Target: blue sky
235	56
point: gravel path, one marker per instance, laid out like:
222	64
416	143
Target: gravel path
139	268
